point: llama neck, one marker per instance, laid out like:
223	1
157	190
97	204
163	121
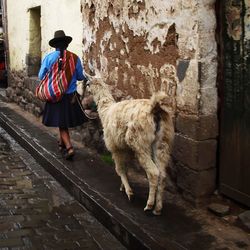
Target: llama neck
102	97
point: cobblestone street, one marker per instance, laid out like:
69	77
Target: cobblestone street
37	213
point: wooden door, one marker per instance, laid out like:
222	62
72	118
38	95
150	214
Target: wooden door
234	80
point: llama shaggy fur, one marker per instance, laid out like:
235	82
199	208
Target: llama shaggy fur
142	125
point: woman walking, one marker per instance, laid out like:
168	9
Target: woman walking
65	113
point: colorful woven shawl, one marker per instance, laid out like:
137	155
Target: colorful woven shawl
56	82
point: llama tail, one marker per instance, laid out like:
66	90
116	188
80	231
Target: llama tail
161	109
164	129
161	103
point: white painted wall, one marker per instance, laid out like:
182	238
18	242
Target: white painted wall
55	15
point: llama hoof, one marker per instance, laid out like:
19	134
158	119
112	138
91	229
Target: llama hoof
157	212
130	197
148	208
122	188
148	212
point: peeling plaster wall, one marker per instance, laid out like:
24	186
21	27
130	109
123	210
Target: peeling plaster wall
147	41
138	38
144	46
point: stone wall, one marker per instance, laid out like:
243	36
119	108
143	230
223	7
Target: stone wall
21	91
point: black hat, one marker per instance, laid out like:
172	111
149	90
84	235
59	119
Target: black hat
59	37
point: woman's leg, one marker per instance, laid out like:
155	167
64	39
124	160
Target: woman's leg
65	139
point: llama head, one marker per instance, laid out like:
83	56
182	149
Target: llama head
99	89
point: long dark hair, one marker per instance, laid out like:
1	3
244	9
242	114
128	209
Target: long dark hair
62	46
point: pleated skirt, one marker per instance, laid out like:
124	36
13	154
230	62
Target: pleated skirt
66	113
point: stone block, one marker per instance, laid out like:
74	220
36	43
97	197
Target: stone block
20	84
197	183
17	99
31	83
19	91
188	90
11	81
9	92
219	209
33	64
207	45
27	81
208	72
26	94
37	111
245	219
206	13
201	127
209	100
197	155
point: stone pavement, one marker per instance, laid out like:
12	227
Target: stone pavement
95	185
37	213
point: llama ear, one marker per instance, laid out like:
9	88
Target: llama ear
97	74
79	87
92	77
89	77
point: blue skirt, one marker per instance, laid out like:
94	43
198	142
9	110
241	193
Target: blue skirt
66	113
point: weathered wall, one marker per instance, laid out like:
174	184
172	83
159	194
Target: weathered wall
56	14
143	46
140	41
24	35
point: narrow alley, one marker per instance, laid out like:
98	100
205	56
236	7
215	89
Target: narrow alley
125	124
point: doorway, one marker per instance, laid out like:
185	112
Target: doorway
33	58
234	91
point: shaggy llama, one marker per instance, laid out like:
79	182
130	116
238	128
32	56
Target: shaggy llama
142	125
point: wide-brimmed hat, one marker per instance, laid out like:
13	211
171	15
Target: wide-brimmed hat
59	36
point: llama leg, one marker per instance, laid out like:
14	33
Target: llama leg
152	175
159	193
121	171
162	159
122	187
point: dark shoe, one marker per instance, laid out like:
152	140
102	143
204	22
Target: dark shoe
69	154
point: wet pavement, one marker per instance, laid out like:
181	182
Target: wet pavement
37	213
95	185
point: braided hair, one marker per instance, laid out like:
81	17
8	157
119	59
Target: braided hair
62	46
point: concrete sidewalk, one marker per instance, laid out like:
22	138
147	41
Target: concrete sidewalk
96	185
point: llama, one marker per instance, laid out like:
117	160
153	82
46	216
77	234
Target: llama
142	125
